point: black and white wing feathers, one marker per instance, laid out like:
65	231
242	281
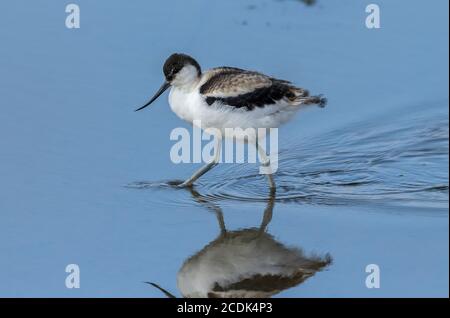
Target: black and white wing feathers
239	88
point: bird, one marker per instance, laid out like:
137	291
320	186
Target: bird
230	97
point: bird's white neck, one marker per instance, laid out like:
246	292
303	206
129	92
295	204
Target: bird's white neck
187	78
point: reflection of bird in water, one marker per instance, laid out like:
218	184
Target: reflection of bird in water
245	263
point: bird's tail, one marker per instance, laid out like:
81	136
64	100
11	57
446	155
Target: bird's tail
301	96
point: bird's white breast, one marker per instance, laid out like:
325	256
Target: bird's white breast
190	106
182	103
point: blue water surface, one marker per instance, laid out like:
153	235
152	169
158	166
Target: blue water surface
83	178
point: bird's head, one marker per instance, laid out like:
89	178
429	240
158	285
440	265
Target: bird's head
180	70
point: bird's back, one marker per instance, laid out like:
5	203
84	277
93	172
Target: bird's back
240	88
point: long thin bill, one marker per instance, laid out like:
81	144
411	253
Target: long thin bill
161	90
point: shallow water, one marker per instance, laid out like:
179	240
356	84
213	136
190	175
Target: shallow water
86	180
389	161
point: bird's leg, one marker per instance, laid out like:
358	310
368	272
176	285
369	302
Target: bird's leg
200	172
265	162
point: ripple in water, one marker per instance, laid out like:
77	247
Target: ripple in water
399	160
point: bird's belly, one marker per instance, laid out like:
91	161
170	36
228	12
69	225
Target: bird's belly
191	107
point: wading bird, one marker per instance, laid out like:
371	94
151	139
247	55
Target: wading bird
229	97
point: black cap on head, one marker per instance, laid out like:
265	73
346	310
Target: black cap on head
172	66
175	63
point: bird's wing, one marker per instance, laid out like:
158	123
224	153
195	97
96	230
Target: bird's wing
229	82
240	88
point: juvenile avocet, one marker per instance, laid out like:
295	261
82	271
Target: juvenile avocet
229	97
